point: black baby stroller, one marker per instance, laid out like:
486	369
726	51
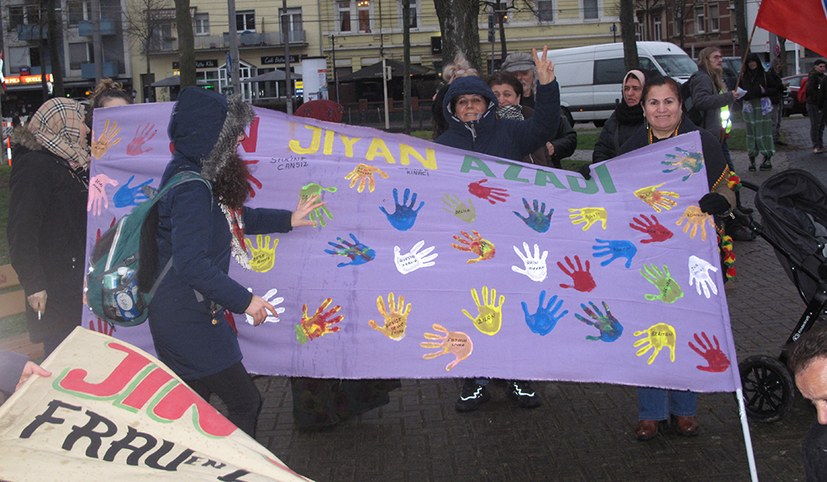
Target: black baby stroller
793	208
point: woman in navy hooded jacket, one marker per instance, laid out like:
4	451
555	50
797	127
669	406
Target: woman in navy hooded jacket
471	110
199	229
470	107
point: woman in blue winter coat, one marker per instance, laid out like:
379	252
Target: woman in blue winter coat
199	229
470	108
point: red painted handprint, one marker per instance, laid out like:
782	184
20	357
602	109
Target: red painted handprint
98	232
651	226
716	360
143	134
253	179
583	280
490	194
102	327
474	243
320	324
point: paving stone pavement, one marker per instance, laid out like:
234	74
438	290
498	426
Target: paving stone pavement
583	431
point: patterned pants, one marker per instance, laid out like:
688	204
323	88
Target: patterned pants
759	131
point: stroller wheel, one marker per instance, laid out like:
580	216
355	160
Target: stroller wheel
768	388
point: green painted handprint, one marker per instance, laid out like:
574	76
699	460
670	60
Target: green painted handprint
321	214
669	291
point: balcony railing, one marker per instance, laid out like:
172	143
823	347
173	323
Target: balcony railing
245	40
87	69
32	32
107	26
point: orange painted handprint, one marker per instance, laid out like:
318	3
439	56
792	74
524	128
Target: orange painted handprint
320	323
659	200
395	316
107	140
489	319
456	343
363	174
474	243
695	218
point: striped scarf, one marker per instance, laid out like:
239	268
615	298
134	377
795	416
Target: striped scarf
514	112
56	126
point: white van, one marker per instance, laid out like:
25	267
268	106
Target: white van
591	77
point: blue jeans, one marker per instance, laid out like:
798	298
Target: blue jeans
657	403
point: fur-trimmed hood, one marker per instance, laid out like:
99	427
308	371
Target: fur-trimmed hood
23	137
204	127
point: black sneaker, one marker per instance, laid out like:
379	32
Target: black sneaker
471	396
522	392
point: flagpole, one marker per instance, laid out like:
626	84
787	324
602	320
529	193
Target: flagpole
742	414
744	59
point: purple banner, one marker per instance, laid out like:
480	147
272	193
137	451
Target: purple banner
434	262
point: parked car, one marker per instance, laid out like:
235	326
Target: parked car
791	104
590	77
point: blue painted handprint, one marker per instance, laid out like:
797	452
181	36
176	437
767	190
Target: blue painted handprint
691	161
536	219
130	196
545	318
356	251
616	249
404	217
610	328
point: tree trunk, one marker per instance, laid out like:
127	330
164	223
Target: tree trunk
627	33
741	25
186	42
55	41
460	31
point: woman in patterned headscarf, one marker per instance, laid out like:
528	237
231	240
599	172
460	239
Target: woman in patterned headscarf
47	217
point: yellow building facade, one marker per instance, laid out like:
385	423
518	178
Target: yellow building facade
355	32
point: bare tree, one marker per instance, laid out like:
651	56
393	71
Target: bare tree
627	33
458	21
186	42
144	22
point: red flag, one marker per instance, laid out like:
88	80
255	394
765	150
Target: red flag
804	22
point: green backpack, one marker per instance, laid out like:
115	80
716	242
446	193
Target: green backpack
116	287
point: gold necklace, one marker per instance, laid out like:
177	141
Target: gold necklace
651	137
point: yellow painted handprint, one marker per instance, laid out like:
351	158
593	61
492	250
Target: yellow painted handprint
263	256
659	200
395	316
490	313
363	174
657	336
588	216
106	140
695	218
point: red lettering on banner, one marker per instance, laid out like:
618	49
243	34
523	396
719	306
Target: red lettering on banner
147	389
250	142
75	379
178	401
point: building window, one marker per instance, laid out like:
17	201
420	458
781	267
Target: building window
343	8
23	15
162	37
78	11
78	54
414	23
295	28
545	10
590	10
202	23
714	25
700	20
245	21
638	31
364	7
657	30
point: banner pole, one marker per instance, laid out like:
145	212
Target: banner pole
742	414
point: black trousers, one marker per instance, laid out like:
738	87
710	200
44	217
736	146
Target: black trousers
238	392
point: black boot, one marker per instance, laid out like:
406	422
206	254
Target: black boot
766	165
751	164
